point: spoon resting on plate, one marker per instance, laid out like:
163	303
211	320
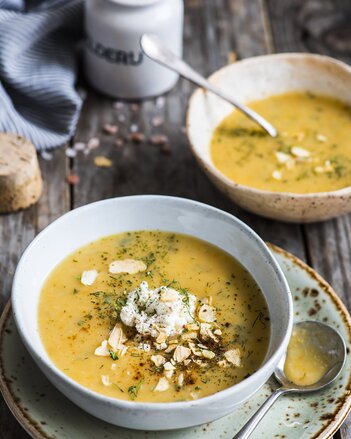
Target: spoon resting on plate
323	343
153	47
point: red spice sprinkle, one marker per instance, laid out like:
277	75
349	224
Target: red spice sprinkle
73	179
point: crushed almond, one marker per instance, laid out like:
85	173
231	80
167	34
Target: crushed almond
277	175
158	360
233	356
117	338
162	385
88	277
181	353
129	266
102	351
106	380
207	313
297	151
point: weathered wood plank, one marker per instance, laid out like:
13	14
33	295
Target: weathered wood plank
16	232
320	27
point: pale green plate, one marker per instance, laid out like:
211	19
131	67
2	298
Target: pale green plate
45	413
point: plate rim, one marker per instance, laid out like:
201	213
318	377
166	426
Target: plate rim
35	431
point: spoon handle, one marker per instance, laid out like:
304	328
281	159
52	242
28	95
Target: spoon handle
153	47
252	423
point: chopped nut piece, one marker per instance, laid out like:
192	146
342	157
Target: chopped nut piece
282	157
102	351
130	266
297	151
217	332
319	169
117	338
180	379
189	336
206	332
168	366
161	338
277	175
234	357
207	313
208	354
158	360
88	277
170	349
196	351
181	353
106	380
321	138
192	327
162	385
102	161
168	374
186	362
160	346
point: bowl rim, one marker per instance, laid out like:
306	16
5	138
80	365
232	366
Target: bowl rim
150	406
210	167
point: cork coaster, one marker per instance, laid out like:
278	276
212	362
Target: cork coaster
20	178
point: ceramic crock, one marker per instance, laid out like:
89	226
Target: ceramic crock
114	62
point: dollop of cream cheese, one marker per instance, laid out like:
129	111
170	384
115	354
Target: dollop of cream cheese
162	310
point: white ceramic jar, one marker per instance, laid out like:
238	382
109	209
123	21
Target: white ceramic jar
114	62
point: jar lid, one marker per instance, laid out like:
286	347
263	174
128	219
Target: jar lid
134	2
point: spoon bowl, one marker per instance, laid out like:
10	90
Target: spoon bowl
328	342
333	345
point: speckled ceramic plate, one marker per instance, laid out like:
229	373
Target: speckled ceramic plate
45	413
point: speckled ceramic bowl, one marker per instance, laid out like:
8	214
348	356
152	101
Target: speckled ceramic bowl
107	217
258	78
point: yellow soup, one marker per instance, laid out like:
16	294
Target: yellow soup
306	362
311	154
153	316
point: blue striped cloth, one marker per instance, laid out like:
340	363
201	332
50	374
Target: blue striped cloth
38	67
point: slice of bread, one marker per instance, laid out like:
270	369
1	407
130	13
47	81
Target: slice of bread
20	178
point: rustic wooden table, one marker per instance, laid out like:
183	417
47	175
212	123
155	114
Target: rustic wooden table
216	32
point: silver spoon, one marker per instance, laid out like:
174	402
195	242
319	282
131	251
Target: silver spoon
153	47
328	341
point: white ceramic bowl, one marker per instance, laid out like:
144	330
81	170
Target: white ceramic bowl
257	78
107	217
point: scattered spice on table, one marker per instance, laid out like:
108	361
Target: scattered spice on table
137	137
73	179
93	143
110	129
102	161
158	139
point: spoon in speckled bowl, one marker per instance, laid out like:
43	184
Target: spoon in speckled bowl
328	343
154	48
